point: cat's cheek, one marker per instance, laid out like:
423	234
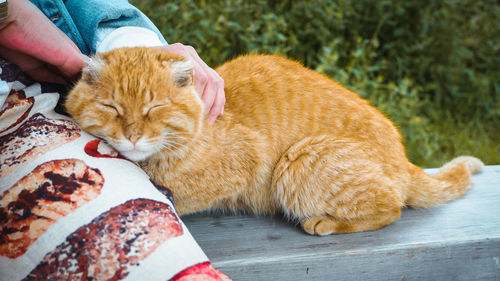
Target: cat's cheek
87	122
97	131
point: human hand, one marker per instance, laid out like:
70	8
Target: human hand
37	46
209	84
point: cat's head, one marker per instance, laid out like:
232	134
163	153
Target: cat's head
140	100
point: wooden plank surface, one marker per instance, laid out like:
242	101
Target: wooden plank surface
456	241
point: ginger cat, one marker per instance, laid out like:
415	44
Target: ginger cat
291	140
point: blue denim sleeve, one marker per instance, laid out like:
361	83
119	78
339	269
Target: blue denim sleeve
80	20
89	15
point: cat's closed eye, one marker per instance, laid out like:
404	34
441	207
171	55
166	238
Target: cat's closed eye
149	109
109	108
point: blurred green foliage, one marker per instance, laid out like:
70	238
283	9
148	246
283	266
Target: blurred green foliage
433	66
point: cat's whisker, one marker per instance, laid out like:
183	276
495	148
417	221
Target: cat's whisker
172	139
174	136
175	140
178	151
168	148
170	143
166	137
174	145
176	133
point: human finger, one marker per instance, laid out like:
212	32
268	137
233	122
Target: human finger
44	74
219	102
31	33
36	69
213	95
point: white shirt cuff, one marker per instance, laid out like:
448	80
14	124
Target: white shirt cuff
128	36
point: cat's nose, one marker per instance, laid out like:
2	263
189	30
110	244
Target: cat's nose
134	138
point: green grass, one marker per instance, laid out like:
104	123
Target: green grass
433	67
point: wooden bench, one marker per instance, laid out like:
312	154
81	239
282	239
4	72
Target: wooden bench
459	240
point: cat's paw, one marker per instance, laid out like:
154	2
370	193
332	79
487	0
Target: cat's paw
324	225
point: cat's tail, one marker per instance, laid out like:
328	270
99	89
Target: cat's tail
451	182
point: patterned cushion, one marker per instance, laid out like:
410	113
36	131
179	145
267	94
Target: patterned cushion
71	208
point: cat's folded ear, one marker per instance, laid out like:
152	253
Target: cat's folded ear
180	71
91	72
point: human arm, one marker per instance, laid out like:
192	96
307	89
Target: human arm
38	47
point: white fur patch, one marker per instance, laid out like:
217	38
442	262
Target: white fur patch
93	68
182	72
135	152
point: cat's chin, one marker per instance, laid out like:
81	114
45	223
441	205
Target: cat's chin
135	155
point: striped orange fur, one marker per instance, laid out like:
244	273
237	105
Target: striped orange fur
290	141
